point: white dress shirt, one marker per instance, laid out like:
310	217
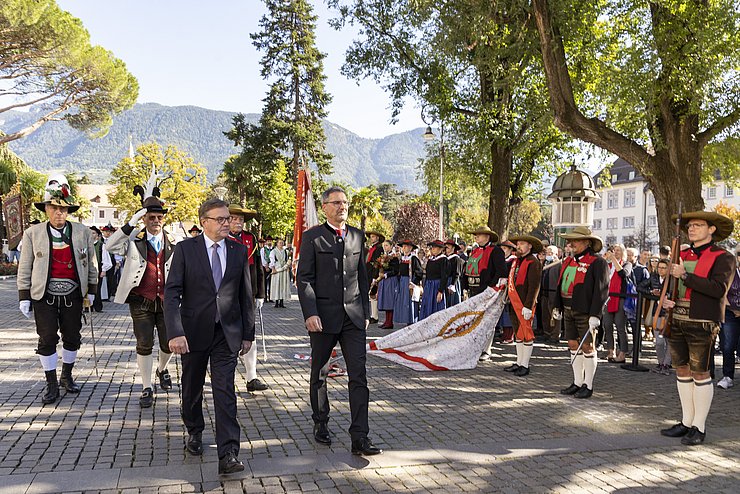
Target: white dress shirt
221	252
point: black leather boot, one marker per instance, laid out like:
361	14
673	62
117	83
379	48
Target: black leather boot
66	379
51	390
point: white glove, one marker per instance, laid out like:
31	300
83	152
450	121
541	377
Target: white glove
258	303
556	314
25	307
593	322
502	281
526	313
452	289
90	298
136	217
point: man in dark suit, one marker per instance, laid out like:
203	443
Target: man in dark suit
333	291
209	315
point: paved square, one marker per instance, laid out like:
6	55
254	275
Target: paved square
473	431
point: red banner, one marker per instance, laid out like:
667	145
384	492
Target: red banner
306	215
13	214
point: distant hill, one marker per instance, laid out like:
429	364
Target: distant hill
198	131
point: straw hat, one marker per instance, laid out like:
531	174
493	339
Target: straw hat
722	223
485	230
240	210
535	242
584	233
380	236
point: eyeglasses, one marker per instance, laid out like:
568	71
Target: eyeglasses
221	220
336	204
696	225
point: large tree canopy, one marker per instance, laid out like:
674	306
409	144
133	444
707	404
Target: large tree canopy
47	61
654	82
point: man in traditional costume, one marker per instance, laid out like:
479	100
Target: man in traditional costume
583	288
704	273
56	270
238	216
525	277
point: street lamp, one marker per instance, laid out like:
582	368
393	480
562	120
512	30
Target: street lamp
220	191
429	136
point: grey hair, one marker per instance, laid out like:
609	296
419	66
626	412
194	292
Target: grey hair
212	203
331	190
633	251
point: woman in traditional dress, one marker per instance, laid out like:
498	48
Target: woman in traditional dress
435	280
410	274
388	284
280	270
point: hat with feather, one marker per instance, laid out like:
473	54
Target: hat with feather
58	193
149	193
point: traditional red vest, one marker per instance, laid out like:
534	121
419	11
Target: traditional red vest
370	253
152	281
478	260
582	267
249	241
62	264
704	263
615	286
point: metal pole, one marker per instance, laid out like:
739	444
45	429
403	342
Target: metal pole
441	182
636	340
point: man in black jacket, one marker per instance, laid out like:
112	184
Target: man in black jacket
333	291
209	315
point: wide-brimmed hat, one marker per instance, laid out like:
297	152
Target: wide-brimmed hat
535	242
508	243
58	193
584	233
240	210
153	205
436	243
96	230
452	242
406	241
485	230
723	224
195	229
380	236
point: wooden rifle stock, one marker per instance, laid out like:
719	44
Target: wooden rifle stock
670	284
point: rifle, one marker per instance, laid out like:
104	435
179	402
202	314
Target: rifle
670	284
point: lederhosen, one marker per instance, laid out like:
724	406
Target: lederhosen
60	311
146	300
691	339
573	272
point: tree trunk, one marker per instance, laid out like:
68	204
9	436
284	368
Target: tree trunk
498	197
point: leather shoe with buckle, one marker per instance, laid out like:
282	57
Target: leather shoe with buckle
229	464
147	398
365	447
694	437
678	430
570	390
165	381
194	444
512	368
584	392
256	385
321	433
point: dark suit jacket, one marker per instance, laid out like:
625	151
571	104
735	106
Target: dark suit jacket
190	297
332	277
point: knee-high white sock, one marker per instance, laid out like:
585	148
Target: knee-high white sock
577	368
703	393
164	360
589	368
145	363
686	395
49	362
69	357
250	362
373	309
519	352
489	344
526	353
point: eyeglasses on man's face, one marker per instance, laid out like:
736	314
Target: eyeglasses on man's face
337	204
221	220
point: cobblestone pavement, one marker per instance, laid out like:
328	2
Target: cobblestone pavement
472	431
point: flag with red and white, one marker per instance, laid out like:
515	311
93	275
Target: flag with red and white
306	215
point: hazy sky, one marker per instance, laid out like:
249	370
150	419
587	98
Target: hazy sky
186	52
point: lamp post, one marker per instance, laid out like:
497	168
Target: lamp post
429	136
220	191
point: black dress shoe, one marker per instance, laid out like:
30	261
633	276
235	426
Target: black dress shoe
694	437
365	447
584	392
512	368
165	381
678	430
522	371
321	433
194	445
570	390
147	398
373	320
66	380
229	464
256	385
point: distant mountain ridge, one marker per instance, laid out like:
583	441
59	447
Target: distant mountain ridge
198	131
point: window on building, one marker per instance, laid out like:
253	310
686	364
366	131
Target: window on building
101	214
652	221
611	223
115	214
632	175
614	179
628	222
629	198
611	239
597	224
729	191
597	205
651	199
712	193
612	199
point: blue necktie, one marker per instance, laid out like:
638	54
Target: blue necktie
155	244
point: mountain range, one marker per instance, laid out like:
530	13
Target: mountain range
198	131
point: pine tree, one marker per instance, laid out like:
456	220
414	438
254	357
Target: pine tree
295	104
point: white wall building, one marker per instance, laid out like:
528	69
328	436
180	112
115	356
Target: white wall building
627	206
102	211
